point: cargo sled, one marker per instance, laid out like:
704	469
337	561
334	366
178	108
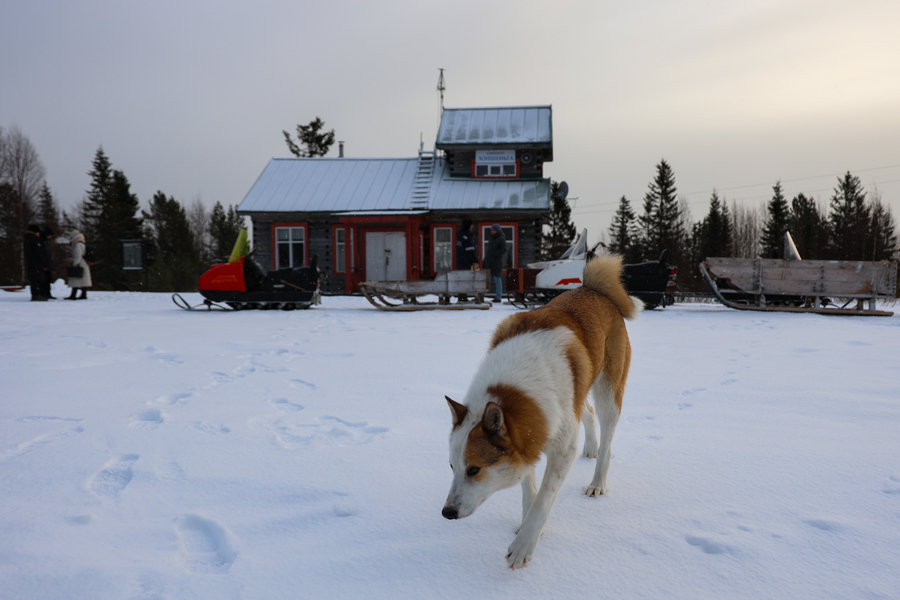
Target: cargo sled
243	284
468	288
790	285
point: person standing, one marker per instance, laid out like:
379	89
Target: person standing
35	266
84	282
47	238
466	257
493	259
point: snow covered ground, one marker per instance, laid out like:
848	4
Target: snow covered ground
147	452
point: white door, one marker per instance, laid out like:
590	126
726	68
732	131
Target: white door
385	256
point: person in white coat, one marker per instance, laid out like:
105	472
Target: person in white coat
84	282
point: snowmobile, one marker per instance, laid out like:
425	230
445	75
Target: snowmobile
651	281
242	283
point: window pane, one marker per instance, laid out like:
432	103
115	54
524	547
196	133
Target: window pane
509	169
283	258
282	234
297	234
444	234
340	250
481	170
297	254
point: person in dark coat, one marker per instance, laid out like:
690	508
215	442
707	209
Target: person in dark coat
35	266
493	260
466	257
47	239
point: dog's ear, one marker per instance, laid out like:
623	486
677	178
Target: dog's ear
492	422
458	411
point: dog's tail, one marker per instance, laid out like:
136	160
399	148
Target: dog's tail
603	274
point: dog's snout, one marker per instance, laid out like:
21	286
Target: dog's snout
450	512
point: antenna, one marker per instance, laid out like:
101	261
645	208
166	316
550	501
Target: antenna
441	87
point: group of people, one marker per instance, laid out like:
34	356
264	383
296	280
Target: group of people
467	257
40	264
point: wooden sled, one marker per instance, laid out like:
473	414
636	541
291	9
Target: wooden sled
803	286
409	295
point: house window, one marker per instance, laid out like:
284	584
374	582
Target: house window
443	249
290	247
509	232
495	163
340	250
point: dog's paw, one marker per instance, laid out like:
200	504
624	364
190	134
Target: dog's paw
589	452
593	491
521	551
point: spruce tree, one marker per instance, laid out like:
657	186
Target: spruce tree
562	230
809	228
849	220
48	209
108	215
176	264
224	228
713	235
623	232
777	224
661	224
311	142
883	244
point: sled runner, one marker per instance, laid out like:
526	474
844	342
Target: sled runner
410	295
814	286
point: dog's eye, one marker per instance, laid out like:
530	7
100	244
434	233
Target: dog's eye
473	471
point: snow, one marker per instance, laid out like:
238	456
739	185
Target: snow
147	452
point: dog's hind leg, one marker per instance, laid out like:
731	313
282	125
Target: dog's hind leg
590	431
607	404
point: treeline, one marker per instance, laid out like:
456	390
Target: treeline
855	226
181	242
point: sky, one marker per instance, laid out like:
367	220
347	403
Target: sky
190	98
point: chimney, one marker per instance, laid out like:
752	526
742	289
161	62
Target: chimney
340	149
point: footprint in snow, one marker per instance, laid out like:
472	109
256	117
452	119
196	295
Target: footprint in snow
115	475
709	546
303	384
693	391
169	399
206	546
211	428
328	431
149	418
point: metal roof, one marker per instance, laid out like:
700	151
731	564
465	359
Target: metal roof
289	185
514	125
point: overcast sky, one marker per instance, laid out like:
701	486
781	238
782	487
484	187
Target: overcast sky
190	98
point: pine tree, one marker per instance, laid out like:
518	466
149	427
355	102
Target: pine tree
623	233
562	230
776	225
849	220
809	228
176	264
313	143
48	209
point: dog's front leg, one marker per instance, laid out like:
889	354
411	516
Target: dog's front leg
558	465
529	491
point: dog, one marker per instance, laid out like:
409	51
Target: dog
529	395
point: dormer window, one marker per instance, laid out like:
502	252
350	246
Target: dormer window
495	163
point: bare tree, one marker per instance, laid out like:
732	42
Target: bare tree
21	168
198	221
747	229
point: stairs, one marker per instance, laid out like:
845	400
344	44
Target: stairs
421	192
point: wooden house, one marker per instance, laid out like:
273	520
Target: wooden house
394	219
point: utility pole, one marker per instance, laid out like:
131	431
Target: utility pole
441	87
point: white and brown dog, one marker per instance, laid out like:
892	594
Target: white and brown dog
529	395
